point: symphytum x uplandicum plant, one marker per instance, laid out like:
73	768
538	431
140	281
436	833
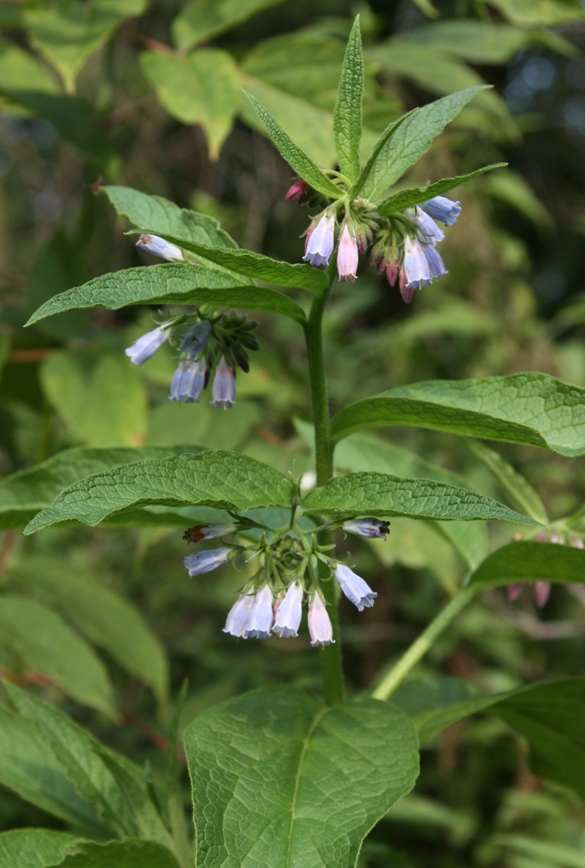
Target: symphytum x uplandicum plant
280	778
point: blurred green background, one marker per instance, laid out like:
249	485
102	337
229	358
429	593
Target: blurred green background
148	94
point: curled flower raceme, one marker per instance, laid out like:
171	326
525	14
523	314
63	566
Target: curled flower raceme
147	345
159	247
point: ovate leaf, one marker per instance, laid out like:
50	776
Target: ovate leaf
414	196
294	783
201	20
347	116
202	88
532	409
524	561
33	848
225	480
379	494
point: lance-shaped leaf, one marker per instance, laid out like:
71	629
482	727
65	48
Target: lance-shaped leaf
33	848
256	265
25	493
379	494
172	283
161	216
347	115
404	141
225	480
525	561
295	157
533	409
415	195
280	780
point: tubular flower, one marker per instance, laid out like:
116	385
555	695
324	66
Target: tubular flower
347	255
206	561
146	346
369	527
416	266
427	230
355	589
159	247
288	614
188	381
320	628
320	242
444	210
433	257
238	615
207	531
406	291
259	621
195	338
223	391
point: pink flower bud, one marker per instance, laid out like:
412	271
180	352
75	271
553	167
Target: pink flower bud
406	291
298	188
347	255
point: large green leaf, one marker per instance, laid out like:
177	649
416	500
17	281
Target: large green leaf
407	198
100	397
201	20
404	141
225	480
202	88
539	13
163	216
25	493
119	854
258	266
532	409
295	157
29	769
44	643
107	619
67	32
33	848
347	116
280	780
117	788
379	494
473	40
19	70
525	561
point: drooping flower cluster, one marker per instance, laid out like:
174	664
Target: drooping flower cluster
288	574
542	589
206	342
402	245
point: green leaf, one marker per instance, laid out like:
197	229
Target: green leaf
520	493
513	189
530	562
43	642
25	493
100	396
108	620
404	141
427	7
171	283
202	88
294	783
163	216
294	156
379	494
19	70
347	116
472	40
121	854
33	848
202	20
256	265
533	409
550	854
112	784
539	13
225	480
29	769
415	195
67	32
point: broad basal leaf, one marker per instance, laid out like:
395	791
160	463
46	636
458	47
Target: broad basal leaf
347	116
171	283
407	198
225	480
201	20
33	848
533	409
378	494
280	780
525	561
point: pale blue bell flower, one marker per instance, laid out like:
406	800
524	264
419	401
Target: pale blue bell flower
433	257
260	620
320	628
428	231
146	346
223	390
320	242
238	616
159	247
289	613
416	266
442	209
355	589
368	527
206	561
188	381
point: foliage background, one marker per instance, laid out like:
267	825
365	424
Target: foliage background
108	614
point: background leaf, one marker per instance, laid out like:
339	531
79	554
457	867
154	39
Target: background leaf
201	20
121	854
33	848
309	781
525	561
543	13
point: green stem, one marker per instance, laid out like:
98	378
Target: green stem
421	645
331	668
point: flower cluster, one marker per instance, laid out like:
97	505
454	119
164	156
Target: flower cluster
542	589
206	342
288	574
402	245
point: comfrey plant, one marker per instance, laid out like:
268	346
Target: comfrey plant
281	778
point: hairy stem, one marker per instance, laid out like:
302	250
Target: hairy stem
420	646
331	668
